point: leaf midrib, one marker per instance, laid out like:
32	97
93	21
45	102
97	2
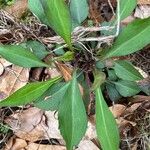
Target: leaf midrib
125	43
100	102
59	17
129	72
28	59
20	97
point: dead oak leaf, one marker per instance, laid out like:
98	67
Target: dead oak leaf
13	79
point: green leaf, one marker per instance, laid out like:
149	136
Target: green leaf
126	8
126	71
132	38
51	99
58	16
38	48
106	126
36	8
20	56
99	79
114	95
68	56
72	115
112	75
144	85
127	88
28	93
79	10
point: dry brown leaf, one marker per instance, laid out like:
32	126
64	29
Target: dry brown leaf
26	124
32	124
128	20
34	146
117	110
132	108
3	64
13	79
143	2
52	72
142	11
15	144
65	71
18	8
87	145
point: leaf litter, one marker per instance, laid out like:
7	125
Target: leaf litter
132	119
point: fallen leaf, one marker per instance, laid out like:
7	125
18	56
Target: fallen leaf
87	145
13	79
117	110
3	64
142	11
33	124
90	132
132	108
52	72
34	146
143	2
15	144
65	71
26	124
18	8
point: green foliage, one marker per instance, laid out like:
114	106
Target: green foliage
37	9
68	56
28	93
72	115
127	88
112	92
51	99
106	126
20	56
118	77
4	128
58	17
37	48
126	8
128	40
79	10
126	71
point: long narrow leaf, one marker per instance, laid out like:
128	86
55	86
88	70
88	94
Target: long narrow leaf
20	56
133	38
125	70
126	8
58	16
36	8
28	93
79	10
106	126
72	116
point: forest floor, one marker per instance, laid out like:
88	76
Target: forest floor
29	128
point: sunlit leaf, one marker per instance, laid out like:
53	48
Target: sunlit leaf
58	16
72	115
20	56
132	38
106	126
125	70
28	93
126	8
